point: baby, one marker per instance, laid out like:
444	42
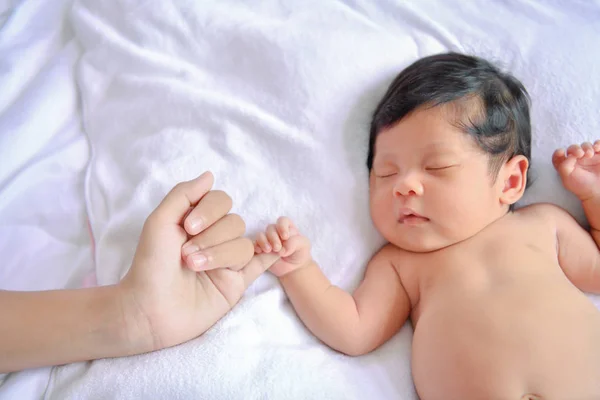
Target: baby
495	295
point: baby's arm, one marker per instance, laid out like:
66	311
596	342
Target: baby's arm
352	324
578	254
579	169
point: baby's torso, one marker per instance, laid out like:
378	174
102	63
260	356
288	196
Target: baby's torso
496	318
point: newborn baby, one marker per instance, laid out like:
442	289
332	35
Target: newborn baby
495	295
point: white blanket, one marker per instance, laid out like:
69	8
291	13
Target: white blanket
275	99
44	240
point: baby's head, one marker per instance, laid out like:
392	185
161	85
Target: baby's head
449	151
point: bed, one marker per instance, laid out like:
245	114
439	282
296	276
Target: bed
105	105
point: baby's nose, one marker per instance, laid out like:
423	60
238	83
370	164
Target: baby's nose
408	185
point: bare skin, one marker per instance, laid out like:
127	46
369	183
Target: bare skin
496	298
168	296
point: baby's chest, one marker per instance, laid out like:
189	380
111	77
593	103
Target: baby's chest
489	259
474	271
513	333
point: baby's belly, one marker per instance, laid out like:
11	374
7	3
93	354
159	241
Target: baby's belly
543	341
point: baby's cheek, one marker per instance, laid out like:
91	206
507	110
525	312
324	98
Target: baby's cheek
380	204
384	222
464	221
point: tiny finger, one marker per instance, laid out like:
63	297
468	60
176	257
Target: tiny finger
286	250
558	157
575	150
588	149
273	237
295	243
283	227
262	241
567	166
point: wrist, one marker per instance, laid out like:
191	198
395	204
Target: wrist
591	207
109	325
132	331
296	269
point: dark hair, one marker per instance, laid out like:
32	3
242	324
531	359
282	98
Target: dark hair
497	103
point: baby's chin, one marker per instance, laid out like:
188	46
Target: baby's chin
416	247
418	243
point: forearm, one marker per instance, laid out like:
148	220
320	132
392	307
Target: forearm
329	312
62	326
591	207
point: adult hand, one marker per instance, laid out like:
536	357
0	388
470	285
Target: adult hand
192	265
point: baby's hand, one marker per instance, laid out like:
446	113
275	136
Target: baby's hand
579	169
284	239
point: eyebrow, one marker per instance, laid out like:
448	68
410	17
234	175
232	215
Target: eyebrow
432	148
441	147
381	160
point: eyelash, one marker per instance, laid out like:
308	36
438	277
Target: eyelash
432	169
436	169
386	176
439	168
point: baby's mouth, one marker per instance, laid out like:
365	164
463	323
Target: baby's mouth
412	218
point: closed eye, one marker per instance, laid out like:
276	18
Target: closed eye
386	175
441	168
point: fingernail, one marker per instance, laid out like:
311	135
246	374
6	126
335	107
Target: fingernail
189	248
195	224
199	260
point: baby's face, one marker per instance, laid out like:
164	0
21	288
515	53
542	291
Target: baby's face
430	185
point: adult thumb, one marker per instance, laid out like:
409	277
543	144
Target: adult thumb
176	204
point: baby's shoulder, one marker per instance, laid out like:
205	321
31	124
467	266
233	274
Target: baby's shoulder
394	254
544	213
403	261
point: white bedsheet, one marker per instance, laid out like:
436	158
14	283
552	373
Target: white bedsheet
275	99
44	240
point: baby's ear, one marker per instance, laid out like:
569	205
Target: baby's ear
513	179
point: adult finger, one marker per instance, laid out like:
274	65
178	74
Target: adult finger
178	201
211	208
233	254
257	266
227	228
